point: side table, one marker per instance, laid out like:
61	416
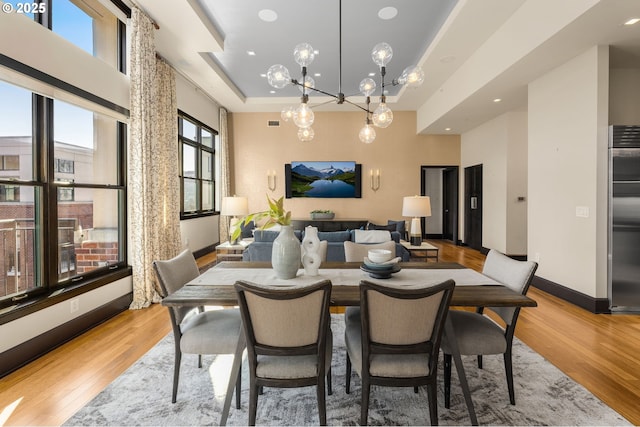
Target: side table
425	250
225	251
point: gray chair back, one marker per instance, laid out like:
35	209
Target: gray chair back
173	274
356	252
515	274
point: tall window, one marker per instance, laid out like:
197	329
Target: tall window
62	167
197	144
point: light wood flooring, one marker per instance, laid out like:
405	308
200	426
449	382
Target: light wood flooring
601	352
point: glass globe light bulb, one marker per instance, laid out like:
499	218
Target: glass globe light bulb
303	116
382	116
278	76
287	113
381	54
367	134
305	134
308	83
367	86
303	54
412	76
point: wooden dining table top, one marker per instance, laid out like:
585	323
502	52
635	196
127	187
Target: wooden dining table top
212	293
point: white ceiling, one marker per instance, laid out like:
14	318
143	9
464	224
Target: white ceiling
499	45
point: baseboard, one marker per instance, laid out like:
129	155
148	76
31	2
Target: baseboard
28	351
206	250
594	305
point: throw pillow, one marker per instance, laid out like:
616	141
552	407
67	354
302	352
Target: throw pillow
389	227
400	226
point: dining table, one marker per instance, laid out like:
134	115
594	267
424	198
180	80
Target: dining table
214	287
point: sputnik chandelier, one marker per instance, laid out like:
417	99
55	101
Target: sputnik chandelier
302	115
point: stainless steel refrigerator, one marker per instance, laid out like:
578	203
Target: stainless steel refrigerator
624	218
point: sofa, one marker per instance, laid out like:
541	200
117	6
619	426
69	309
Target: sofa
260	249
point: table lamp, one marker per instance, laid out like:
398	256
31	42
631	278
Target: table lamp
234	206
416	207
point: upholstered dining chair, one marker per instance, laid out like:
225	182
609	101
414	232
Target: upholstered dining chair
476	333
289	340
196	331
397	342
355	252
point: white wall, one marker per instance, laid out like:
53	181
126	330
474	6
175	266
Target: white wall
567	169
433	189
500	145
624	96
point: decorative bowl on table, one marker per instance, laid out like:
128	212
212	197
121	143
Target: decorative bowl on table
381	270
379	256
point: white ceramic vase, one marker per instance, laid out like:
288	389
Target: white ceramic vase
285	255
311	251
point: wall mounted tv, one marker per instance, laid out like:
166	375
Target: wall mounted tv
323	179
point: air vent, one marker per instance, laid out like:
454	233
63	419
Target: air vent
273	123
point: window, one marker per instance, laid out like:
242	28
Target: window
62	168
197	144
10	163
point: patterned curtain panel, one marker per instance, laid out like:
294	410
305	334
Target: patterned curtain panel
225	180
153	185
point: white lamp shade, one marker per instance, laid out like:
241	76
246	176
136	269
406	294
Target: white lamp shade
234	206
416	206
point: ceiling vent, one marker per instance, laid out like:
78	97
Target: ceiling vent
273	123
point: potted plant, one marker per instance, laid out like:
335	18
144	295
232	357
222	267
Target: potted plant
322	214
285	254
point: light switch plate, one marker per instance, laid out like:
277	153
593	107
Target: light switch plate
582	211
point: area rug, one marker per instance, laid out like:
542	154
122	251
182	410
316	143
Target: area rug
142	395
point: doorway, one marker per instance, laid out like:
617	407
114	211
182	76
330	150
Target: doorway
440	183
473	206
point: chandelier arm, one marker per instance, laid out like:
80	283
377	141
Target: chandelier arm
356	105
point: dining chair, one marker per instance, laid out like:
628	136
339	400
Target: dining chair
397	342
289	340
196	331
476	333
355	252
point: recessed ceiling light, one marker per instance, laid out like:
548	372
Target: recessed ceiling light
447	129
387	13
263	75
497	100
372	74
251	53
272	91
267	15
316	74
316	52
632	21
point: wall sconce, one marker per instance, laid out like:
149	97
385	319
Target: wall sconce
375	179
271	180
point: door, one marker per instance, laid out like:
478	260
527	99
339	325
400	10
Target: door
473	206
450	204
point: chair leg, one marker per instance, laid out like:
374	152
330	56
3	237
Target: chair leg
238	388
364	415
253	403
432	395
199	361
322	403
479	361
176	373
348	375
509	371
329	387
415	389
447	380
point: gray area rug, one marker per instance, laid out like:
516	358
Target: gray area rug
142	395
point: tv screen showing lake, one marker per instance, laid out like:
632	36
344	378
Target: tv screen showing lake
323	179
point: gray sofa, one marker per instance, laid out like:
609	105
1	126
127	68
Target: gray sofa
260	249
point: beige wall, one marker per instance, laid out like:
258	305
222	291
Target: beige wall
397	152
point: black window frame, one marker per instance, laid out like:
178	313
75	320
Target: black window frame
52	290
200	147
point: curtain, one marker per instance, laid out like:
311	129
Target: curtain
153	186
225	172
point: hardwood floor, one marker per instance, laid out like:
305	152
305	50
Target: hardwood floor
601	352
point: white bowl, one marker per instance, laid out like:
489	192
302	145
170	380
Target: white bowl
380	255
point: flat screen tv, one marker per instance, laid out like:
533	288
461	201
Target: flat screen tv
337	179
